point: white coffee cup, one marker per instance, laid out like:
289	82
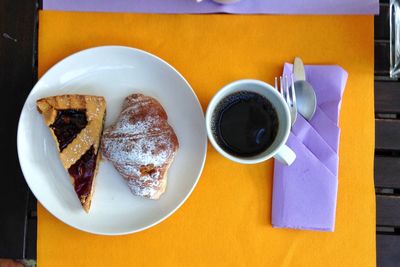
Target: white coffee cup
277	149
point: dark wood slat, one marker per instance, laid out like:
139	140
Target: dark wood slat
31	214
382	24
388	250
31	237
387	134
388	210
387	97
382	58
31	228
17	24
32	207
387	172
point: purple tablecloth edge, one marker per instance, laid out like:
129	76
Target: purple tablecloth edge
244	7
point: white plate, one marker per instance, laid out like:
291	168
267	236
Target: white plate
113	72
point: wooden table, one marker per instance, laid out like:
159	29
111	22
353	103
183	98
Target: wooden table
387	148
18	74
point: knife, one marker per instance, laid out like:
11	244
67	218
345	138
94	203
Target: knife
305	95
298	69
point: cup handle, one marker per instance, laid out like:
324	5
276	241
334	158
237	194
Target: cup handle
285	155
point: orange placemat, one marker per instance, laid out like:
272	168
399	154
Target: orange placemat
226	221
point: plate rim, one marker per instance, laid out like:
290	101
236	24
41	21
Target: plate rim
24	170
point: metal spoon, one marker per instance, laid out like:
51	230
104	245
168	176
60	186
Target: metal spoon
305	94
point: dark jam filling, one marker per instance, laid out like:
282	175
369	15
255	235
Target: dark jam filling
82	172
68	124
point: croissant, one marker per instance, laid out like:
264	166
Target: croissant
141	145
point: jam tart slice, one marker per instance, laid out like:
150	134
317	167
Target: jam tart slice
76	124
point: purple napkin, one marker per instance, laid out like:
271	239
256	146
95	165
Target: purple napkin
208	6
316	144
304	194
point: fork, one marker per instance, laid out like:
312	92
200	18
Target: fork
288	93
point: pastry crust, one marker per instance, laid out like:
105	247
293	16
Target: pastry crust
141	145
90	135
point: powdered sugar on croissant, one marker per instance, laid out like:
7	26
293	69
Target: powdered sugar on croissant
141	145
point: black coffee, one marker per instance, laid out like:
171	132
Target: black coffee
245	124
